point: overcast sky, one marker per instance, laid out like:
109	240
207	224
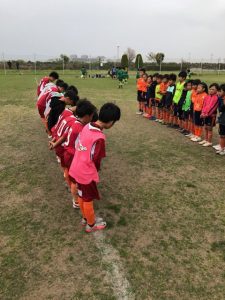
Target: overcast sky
191	28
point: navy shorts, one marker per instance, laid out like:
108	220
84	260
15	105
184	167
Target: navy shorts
198	120
175	109
141	96
186	115
210	121
222	130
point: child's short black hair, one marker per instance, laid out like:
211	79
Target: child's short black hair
64	86
54	75
190	81
142	69
95	116
173	77
73	88
72	96
166	76
205	86
196	81
182	74
155	74
109	112
222	87
59	82
216	85
84	107
159	76
57	107
150	76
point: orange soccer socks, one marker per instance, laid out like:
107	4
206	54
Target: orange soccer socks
87	210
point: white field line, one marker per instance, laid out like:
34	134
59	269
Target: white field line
115	274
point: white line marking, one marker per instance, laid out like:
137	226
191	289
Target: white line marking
115	274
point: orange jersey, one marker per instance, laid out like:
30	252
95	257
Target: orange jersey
142	85
198	101
139	83
163	87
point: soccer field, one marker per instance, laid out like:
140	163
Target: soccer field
162	197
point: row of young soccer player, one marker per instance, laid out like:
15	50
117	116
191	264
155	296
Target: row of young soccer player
75	129
186	105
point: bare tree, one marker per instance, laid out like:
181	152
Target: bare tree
131	54
156	57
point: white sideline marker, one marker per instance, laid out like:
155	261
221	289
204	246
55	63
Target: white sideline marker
115	274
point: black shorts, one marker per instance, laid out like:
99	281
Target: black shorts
152	101
141	96
222	130
163	101
175	109
197	119
158	103
186	115
210	121
180	114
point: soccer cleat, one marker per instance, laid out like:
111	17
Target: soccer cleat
222	152
202	142
217	147
188	134
139	113
84	221
192	136
156	120
97	226
196	139
207	144
49	137
146	116
160	121
185	132
76	205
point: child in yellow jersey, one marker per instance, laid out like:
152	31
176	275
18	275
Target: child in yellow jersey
158	97
176	98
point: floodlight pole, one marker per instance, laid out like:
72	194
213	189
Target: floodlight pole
35	65
63	65
118	53
219	66
3	58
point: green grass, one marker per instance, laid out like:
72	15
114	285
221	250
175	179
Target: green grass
162	196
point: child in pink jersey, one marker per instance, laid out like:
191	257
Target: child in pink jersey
208	114
90	149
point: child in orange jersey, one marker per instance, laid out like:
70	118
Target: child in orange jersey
163	88
191	126
140	96
202	91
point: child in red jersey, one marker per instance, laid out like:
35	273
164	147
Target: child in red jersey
52	77
85	111
45	97
90	149
59	121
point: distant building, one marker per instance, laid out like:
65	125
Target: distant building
84	57
73	57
